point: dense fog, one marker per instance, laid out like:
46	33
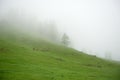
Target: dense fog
93	26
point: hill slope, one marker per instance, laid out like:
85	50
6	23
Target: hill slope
28	58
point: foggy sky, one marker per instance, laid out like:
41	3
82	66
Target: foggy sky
93	25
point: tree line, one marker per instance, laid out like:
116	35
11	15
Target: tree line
46	30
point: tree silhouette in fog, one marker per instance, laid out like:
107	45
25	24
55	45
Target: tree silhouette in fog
65	39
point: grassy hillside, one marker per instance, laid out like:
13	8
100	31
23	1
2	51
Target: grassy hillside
28	58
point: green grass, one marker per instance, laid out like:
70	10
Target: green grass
26	58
